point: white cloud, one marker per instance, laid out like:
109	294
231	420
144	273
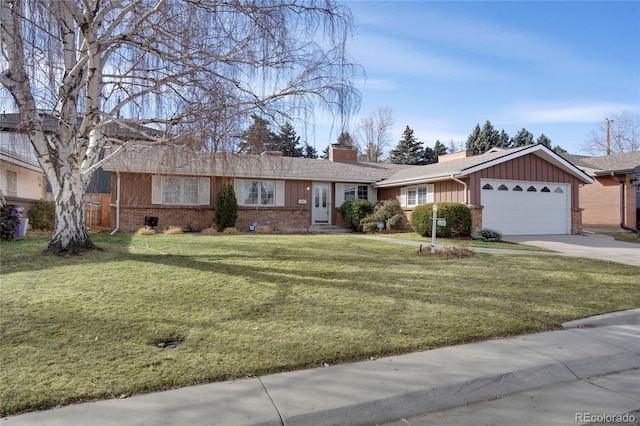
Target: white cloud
526	113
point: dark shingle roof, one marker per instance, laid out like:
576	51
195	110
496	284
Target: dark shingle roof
620	163
184	161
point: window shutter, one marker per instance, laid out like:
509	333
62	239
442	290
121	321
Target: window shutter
403	197
156	189
238	184
373	194
203	192
430	195
339	194
279	193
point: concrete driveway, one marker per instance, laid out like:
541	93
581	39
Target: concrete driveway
593	246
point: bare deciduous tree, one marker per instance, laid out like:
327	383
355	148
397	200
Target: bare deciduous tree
624	135
115	71
373	135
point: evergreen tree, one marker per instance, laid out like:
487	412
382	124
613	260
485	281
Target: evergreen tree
503	140
544	140
482	140
287	141
474	140
559	150
408	150
439	149
325	153
226	213
522	138
257	138
489	136
345	140
309	152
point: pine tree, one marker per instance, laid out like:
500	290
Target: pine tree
544	140
503	140
287	141
408	150
474	140
257	138
309	152
488	136
345	140
522	138
439	149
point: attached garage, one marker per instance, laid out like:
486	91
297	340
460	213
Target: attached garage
526	208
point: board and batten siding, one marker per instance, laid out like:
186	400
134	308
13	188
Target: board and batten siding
526	168
444	191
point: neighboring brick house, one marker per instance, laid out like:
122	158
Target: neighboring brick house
614	199
528	190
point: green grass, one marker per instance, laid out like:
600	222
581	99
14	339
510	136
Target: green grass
462	242
87	327
629	237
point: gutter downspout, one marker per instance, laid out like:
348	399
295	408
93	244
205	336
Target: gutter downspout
117	203
465	196
622	205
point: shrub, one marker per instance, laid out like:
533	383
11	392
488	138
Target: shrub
8	222
353	211
210	231
146	230
458	217
263	229
230	230
172	230
487	235
43	215
389	212
226	213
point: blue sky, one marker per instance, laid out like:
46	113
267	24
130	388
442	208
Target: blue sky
557	68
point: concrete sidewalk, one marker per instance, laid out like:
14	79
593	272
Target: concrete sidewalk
382	390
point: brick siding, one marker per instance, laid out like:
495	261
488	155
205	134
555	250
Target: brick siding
278	219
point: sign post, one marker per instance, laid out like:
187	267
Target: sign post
433	228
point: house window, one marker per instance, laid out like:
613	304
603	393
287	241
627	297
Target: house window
417	195
259	192
180	190
356	192
12	183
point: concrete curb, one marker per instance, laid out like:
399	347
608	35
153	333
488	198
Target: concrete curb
374	392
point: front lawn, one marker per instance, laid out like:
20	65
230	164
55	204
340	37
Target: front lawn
93	326
461	242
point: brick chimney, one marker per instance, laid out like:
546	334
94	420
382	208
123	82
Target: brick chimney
343	154
455	156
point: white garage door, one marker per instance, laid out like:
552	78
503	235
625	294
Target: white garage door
526	208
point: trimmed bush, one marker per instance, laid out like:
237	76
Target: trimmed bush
487	235
43	215
230	230
226	213
353	211
458	217
8	222
389	212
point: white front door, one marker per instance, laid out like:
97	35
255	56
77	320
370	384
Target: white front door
321	200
